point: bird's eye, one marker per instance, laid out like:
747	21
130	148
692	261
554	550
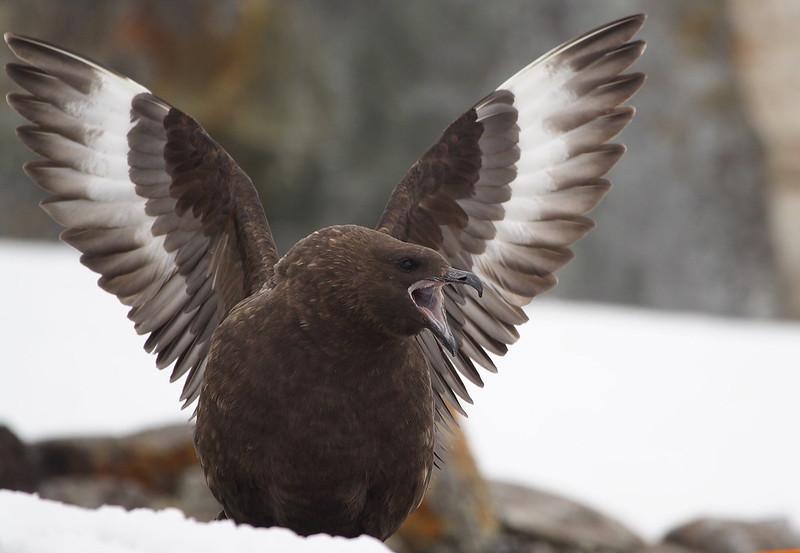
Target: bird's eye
408	264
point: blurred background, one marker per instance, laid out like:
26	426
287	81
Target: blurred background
660	385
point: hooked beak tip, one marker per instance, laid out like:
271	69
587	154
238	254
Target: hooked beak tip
457	276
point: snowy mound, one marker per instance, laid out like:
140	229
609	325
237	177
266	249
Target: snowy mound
34	525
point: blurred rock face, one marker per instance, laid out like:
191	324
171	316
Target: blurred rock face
326	105
766	46
157	468
18	470
541	519
685	226
457	514
734	536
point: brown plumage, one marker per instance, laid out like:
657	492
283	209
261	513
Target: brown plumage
326	376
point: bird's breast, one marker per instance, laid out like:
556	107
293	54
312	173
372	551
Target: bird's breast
311	432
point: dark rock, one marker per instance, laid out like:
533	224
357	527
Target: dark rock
733	536
549	521
18	469
155	459
93	492
155	468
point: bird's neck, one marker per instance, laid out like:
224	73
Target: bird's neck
335	329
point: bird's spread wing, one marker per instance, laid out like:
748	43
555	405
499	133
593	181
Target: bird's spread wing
158	209
505	190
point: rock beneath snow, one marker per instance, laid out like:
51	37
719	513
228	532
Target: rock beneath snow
18	470
711	535
550	522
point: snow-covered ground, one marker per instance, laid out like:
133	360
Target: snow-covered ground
41	526
652	417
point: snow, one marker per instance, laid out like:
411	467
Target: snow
42	526
652	417
77	365
649	416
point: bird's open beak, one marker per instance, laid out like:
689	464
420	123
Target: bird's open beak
427	296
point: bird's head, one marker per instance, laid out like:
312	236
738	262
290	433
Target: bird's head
388	284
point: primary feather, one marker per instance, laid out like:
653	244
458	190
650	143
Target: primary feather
505	190
158	209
